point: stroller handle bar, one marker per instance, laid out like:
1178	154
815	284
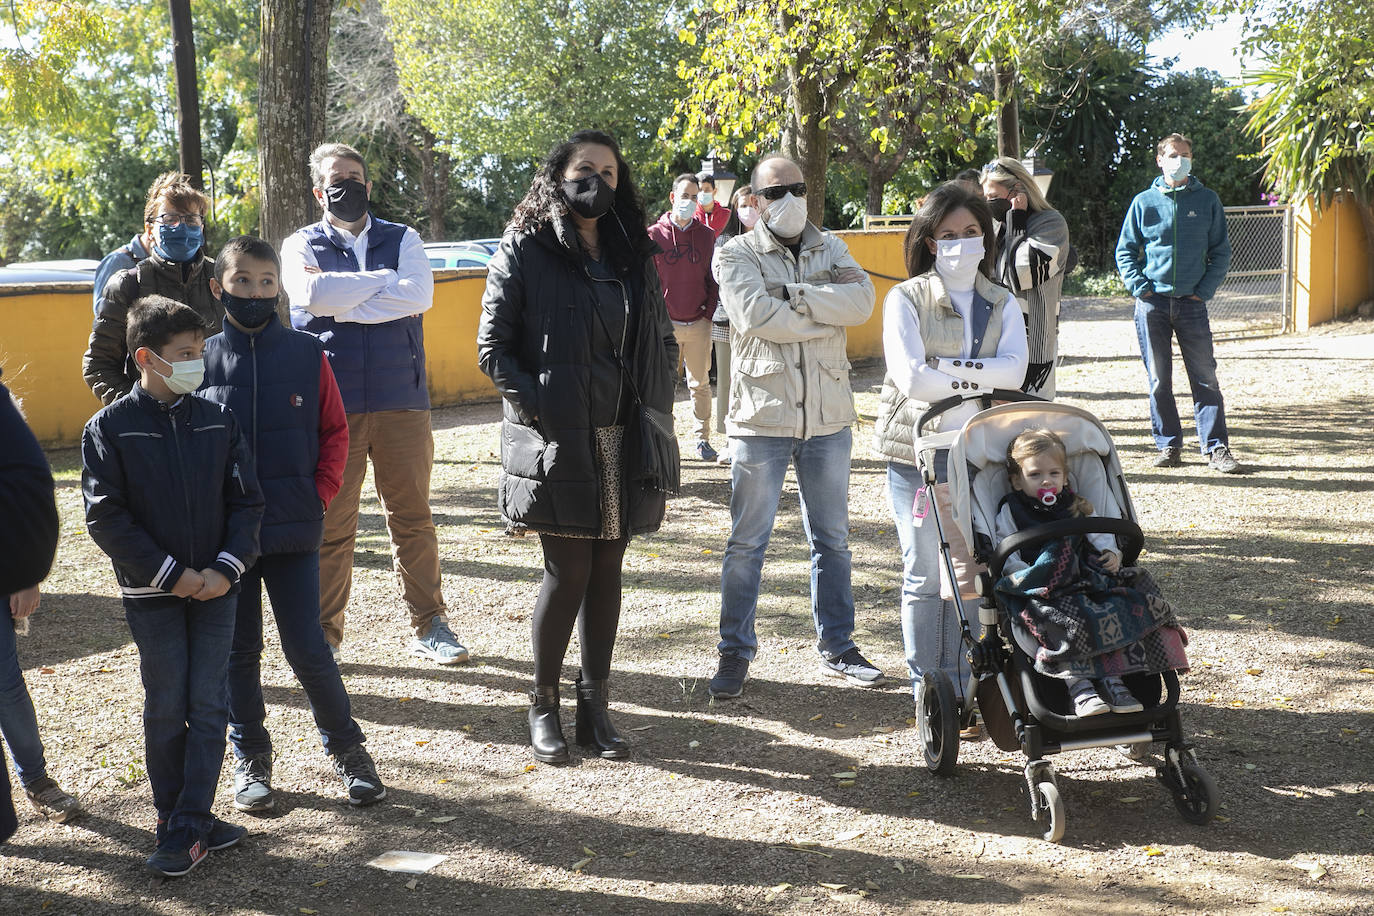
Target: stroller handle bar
954	400
1041	534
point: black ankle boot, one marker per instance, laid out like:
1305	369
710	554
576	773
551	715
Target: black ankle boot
594	726
546	732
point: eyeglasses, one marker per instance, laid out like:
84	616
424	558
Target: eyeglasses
194	220
777	191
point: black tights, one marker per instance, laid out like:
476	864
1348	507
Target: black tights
582	586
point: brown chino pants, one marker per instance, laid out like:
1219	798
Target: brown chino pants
401	446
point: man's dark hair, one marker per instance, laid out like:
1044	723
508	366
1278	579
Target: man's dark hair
244	246
704	178
939	204
685	176
333	151
155	320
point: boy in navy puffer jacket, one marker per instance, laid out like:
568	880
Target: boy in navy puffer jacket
171	497
279	384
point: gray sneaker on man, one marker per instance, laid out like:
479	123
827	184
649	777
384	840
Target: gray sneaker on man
359	775
1171	456
439	644
253	783
1222	461
854	668
53	803
731	673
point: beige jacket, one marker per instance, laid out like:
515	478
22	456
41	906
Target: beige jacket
789	369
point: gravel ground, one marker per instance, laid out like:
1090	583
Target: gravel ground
737	806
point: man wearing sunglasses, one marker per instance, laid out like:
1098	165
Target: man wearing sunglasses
790	291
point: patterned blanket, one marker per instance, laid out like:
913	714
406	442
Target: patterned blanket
1089	622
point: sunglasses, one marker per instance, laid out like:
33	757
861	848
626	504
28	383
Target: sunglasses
777	191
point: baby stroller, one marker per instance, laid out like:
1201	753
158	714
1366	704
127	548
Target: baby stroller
1022	709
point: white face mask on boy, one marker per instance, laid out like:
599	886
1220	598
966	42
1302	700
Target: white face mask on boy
187	374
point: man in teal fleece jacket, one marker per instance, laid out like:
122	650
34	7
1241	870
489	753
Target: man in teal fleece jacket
1172	254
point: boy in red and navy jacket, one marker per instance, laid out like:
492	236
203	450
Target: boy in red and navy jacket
171	497
280	386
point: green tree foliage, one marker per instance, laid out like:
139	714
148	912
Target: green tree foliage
42	44
1316	114
510	79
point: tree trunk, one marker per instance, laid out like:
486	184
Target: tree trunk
806	142
188	94
292	79
435	169
1008	126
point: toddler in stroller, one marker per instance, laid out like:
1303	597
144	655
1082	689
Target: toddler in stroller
1069	604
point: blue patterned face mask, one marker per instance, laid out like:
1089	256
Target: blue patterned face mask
180	242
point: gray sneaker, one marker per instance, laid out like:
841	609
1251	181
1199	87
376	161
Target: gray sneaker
253	783
53	803
731	673
359	775
1171	456
1119	698
854	668
1222	461
439	644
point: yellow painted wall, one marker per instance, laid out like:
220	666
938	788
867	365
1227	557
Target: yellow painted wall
1329	263
880	253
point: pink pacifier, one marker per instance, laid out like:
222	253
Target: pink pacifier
1047	496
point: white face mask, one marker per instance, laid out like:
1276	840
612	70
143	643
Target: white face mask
683	209
705	198
748	216
1177	168
957	260
187	374
786	217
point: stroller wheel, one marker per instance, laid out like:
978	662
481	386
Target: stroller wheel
1196	799
1051	808
938	720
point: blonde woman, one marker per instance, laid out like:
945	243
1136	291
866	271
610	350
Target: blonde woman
1032	252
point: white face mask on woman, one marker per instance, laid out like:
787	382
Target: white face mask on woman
957	260
786	217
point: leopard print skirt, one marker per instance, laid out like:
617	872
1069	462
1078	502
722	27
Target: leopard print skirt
610	448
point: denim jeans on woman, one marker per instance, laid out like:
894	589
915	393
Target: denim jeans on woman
293	584
17	720
1157	320
183	657
931	634
759	464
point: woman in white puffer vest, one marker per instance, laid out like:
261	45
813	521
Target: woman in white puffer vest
947	330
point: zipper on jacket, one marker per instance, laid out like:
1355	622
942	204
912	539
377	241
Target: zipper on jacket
624	330
181	471
253	351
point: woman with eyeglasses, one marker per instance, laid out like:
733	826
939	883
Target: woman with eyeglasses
949	329
179	267
573	331
1032	253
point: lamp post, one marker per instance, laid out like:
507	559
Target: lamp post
714	168
1038	170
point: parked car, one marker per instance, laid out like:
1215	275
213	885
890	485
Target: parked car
72	270
460	254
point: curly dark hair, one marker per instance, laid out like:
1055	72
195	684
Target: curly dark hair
939	204
544	203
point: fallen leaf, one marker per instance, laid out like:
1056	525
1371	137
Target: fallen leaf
1236	616
912	794
971	877
840	725
898	866
320	883
814	718
847	774
590	852
1254	672
847	898
580	863
665	636
421	743
47	670
871	886
444	819
848	835
1130	799
412	884
1315	870
630	853
403	699
1367	670
774	891
1153	851
530	767
833	887
306	910
694	744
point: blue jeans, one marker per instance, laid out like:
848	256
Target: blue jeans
1157	320
931	634
759	464
293	584
183	656
17	720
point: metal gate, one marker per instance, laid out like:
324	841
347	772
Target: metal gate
1255	297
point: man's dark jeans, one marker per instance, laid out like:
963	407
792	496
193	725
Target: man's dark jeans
1157	320
293	584
183	649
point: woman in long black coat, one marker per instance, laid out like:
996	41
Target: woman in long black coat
570	292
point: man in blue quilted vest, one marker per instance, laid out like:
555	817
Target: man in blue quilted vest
360	284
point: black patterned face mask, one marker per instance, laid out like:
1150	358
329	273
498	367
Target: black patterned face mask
347	199
589	196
